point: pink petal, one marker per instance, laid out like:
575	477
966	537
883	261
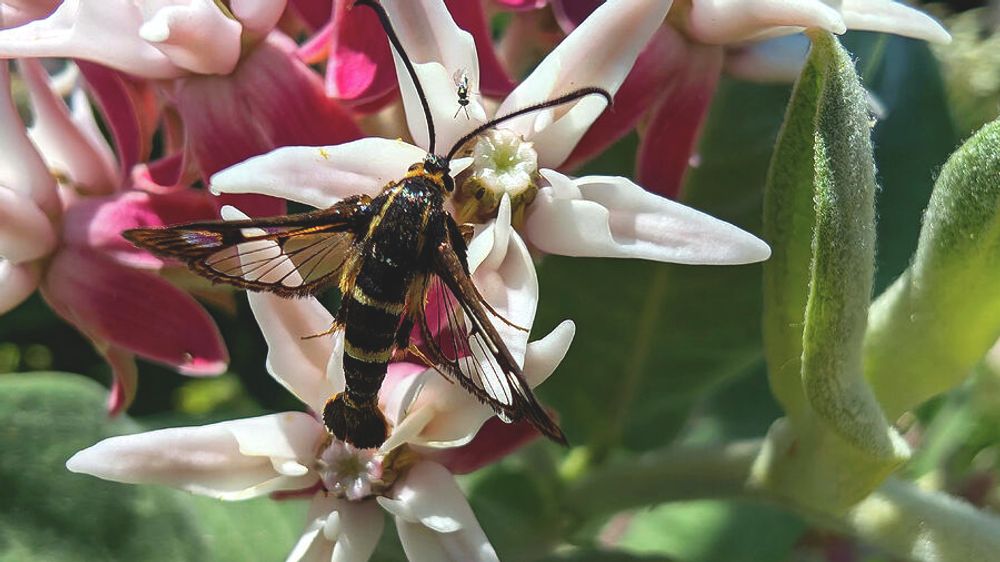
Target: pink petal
106	32
315	12
571	13
221	133
67	149
123	104
521	5
17	282
360	70
15	14
317	47
470	16
656	67
228	460
98	222
21	167
195	36
134	310
434	519
125	379
321	176
609	216
26	234
669	140
600	52
494	441
258	17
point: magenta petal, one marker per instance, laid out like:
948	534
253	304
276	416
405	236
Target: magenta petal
493	79
231	118
316	13
135	311
317	47
654	70
571	13
494	441
98	222
122	102
669	141
360	70
125	379
521	5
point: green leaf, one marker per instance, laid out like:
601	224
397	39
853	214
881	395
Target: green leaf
653	338
942	315
51	514
836	445
712	531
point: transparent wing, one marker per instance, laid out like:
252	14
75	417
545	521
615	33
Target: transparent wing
465	346
292	255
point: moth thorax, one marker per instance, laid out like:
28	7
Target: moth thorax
502	163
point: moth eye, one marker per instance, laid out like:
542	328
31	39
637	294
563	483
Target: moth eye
480	193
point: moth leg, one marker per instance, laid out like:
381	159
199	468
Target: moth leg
467	230
338	323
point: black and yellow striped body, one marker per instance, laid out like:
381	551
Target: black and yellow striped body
407	217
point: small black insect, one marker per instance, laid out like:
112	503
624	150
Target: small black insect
388	255
461	78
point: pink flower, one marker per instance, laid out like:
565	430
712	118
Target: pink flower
229	76
64	239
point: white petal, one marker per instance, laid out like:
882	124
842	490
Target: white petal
321	176
195	36
506	278
258	16
106	32
25	232
434	519
544	355
719	22
21	167
297	363
339	531
599	52
612	217
439	49
17	282
65	148
227	460
777	60
443	415
83	115
892	17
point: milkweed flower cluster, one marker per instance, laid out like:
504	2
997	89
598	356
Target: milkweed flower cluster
229	100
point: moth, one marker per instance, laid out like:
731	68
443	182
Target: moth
387	255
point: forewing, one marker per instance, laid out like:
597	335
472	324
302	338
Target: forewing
465	346
293	255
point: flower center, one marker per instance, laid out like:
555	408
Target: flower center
502	163
355	474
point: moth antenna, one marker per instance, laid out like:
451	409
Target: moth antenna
563	99
394	39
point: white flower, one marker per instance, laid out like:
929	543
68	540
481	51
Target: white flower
721	22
